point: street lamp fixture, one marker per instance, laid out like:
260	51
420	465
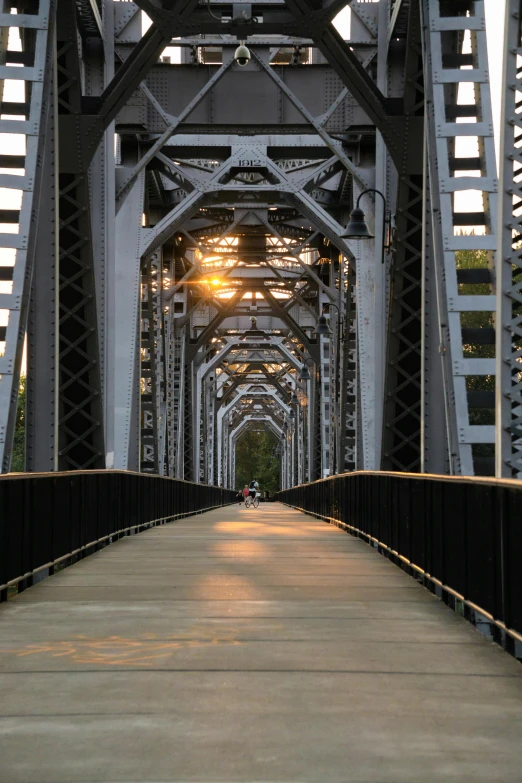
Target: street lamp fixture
304	374
357	227
322	328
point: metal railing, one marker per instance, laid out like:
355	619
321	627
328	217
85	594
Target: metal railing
462	536
48	519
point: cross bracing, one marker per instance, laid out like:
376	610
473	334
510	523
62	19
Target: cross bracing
178	229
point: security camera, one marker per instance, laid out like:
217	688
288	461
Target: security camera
242	54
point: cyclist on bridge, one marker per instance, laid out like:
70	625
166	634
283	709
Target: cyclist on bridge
253	488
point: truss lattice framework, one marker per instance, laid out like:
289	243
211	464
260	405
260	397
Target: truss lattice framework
509	272
170	285
18	245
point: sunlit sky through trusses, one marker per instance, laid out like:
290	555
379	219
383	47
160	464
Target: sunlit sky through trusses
14	144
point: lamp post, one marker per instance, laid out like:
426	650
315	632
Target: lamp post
357	227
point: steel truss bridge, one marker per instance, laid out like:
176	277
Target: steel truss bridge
177	233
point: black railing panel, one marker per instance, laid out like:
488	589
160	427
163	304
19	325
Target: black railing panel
512	549
464	534
47	518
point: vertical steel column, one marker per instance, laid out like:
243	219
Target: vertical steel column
123	339
401	424
148	412
210	440
315	422
161	370
463	258
349	383
188	423
309	390
151	376
225	443
434	421
509	262
98	68
231	459
325	397
20	246
368	348
173	394
42	329
300	434
81	430
336	324
293	440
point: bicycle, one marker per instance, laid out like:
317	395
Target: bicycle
250	501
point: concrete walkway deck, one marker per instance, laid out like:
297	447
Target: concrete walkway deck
249	646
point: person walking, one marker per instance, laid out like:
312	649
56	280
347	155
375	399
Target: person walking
246	491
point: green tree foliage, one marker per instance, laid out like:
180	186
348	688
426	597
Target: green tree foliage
254	459
477	259
18	453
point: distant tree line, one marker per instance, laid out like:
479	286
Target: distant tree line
255	458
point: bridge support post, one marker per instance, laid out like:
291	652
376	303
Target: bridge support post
509	264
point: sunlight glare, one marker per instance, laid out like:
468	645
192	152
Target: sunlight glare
342	22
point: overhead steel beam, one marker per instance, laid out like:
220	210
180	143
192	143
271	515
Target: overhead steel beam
137	65
385	114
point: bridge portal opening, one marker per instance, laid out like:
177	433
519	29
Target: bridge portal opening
258	456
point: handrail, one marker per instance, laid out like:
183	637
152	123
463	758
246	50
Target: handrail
514	483
462	534
103	472
49	518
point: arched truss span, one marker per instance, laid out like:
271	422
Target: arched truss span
180	234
